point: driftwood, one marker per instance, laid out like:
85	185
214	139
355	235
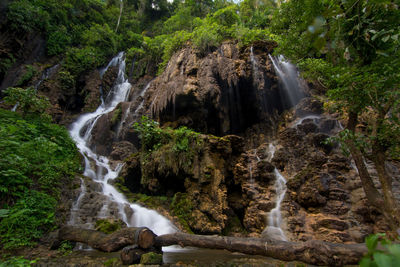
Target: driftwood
312	252
141	236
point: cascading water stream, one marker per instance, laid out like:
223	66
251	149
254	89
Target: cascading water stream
98	168
314	118
289	77
251	164
273	229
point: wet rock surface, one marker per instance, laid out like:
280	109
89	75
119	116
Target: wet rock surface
234	180
219	93
227	186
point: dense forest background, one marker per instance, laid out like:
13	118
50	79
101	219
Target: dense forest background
350	48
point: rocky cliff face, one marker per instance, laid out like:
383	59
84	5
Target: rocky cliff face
236	91
226	186
218	94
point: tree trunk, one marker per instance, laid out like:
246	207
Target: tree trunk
312	252
141	236
372	194
390	205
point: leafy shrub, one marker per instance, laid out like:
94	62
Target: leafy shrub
151	135
387	255
246	36
35	158
79	60
29	218
66	247
101	37
17	261
25	15
58	41
27	99
226	16
207	37
67	81
172	44
182	20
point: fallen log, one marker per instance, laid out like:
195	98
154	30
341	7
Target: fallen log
313	252
141	236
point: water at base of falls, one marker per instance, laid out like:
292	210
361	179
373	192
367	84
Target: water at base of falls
98	167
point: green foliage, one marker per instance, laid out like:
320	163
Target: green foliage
387	254
174	149
207	37
30	217
358	48
25	15
35	157
6	62
27	99
226	16
58	41
67	80
181	21
29	72
172	44
256	13
151	135
66	247
17	262
246	36
79	60
102	38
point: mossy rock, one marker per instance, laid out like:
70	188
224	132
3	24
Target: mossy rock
151	258
112	262
109	225
182	207
116	115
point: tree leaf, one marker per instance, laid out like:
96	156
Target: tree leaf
383	260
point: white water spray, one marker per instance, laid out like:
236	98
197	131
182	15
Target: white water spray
289	77
97	167
273	229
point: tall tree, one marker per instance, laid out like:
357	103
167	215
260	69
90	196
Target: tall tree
358	41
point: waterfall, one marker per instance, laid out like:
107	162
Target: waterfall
77	204
45	75
289	79
251	164
314	118
98	167
273	229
